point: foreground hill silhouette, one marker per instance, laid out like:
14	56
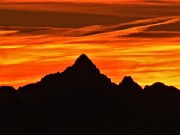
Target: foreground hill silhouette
83	101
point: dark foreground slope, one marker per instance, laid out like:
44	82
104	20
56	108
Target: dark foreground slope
83	101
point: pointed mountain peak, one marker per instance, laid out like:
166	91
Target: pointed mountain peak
83	56
83	65
129	84
85	71
127	79
83	59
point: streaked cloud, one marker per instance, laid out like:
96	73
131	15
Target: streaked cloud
138	40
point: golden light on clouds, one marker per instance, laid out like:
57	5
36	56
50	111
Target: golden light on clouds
38	41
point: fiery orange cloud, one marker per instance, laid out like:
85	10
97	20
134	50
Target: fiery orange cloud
142	41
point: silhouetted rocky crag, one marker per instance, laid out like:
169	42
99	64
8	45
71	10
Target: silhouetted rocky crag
81	100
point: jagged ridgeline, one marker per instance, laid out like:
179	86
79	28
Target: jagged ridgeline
83	101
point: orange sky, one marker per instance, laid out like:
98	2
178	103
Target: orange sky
97	1
138	40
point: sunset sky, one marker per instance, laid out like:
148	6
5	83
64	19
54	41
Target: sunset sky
140	38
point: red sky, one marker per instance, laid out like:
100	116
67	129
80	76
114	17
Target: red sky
141	40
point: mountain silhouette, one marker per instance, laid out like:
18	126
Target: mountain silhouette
7	89
83	61
84	72
81	100
128	85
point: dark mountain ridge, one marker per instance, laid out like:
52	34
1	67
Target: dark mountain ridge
84	70
81	100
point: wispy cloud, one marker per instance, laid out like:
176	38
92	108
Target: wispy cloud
138	40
